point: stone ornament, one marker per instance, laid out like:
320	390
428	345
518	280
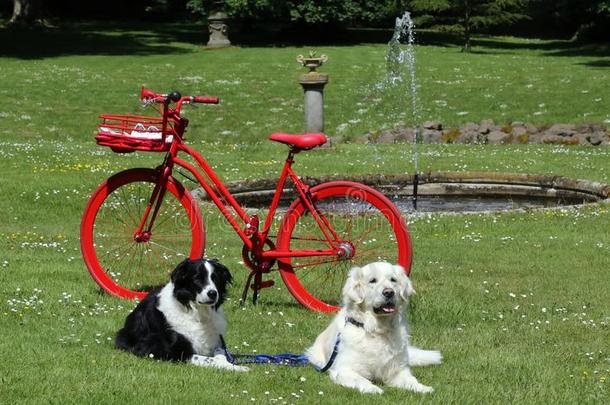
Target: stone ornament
219	30
312	62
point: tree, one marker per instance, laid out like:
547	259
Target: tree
467	16
595	20
304	11
583	20
26	12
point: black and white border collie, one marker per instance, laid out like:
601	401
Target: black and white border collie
182	321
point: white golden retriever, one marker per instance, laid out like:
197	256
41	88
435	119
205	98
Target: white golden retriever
368	339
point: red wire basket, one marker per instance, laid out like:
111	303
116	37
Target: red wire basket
129	133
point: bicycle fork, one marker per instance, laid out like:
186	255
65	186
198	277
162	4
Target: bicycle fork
144	231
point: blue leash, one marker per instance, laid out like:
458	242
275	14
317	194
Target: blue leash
284	359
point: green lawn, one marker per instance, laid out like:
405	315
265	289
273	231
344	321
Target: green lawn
518	303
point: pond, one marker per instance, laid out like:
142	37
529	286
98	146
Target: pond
447	191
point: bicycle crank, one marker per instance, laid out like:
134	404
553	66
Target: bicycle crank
257	266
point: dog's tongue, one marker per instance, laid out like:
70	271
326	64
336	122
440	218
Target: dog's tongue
388	309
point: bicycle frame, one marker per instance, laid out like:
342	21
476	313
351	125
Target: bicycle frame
244	225
317	240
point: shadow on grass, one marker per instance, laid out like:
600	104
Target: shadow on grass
331	36
140	39
601	63
546	47
98	39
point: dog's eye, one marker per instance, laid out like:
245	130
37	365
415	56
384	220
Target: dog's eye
373	280
393	280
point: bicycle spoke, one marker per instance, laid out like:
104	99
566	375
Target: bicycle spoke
298	266
118	251
164	247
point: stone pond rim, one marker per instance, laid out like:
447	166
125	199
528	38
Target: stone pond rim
258	193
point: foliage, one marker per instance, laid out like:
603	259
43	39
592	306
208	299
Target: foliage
304	12
586	19
595	21
467	16
583	19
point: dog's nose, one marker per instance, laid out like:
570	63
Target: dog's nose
388	292
213	294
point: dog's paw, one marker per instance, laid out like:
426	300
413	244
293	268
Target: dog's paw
241	369
422	389
370	389
201	360
420	357
435	357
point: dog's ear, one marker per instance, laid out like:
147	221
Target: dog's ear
181	272
179	278
406	287
222	271
353	291
221	277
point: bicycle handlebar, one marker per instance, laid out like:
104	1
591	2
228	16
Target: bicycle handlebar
206	99
175	97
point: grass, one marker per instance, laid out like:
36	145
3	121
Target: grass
517	302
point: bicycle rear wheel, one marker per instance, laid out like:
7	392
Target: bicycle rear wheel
368	228
120	264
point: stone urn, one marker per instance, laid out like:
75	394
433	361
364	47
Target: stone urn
312	62
219	30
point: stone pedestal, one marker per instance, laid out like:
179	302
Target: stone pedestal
313	86
219	30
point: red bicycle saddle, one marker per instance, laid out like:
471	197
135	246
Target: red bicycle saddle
304	141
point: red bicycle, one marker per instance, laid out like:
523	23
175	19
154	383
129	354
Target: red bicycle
139	222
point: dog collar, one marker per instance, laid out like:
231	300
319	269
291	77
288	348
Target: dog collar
354	322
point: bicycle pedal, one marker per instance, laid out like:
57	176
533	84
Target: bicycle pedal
263	284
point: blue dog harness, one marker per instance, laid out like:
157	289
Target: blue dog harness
333	355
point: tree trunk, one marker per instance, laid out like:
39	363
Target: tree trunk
26	11
466	47
466	27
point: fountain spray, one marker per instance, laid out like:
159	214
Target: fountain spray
399	59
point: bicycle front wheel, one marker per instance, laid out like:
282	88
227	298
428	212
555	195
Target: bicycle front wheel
120	263
364	224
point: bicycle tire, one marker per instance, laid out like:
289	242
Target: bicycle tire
361	216
120	265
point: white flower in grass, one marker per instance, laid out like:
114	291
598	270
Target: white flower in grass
342	127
